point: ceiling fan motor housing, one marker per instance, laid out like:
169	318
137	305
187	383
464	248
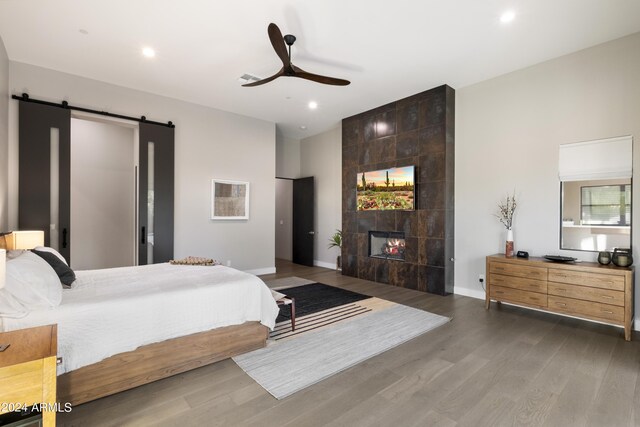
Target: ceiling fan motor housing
289	39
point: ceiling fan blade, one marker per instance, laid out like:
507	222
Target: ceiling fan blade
277	41
318	78
265	80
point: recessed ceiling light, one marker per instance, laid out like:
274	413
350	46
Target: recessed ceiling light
507	16
83	31
303	127
148	52
313	105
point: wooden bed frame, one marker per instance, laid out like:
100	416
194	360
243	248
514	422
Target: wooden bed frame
159	360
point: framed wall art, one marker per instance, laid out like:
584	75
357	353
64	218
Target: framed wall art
229	199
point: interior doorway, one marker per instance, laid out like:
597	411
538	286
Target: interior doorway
295	220
103	194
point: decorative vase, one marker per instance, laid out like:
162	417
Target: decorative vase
339	263
604	257
508	249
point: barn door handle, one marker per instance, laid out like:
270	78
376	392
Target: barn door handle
143	235
64	237
312	232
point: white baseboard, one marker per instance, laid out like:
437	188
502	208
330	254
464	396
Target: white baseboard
331	265
473	293
261	271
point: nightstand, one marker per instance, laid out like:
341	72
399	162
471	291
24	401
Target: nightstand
28	371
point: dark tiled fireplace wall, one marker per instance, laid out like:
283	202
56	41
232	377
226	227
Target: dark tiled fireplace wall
418	130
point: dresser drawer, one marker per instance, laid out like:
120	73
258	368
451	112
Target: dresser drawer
505	294
589	309
581	278
538	273
605	296
531	285
28	344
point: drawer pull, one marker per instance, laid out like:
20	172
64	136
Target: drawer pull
607	296
499	292
498	268
561	290
607	311
561	304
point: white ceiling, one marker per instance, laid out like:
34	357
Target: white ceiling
388	49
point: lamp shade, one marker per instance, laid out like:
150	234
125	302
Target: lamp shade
26	239
3	267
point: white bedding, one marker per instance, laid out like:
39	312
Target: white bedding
116	310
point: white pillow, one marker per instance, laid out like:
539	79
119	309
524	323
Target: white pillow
33	282
9	305
53	251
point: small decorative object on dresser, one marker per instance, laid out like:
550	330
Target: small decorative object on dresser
604	257
586	289
505	215
622	257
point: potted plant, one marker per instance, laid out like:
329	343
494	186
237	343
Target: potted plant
336	242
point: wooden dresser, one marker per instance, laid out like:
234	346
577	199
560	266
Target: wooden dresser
28	371
585	289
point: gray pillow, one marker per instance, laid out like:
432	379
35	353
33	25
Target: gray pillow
64	272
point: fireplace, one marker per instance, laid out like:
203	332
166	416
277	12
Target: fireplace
386	245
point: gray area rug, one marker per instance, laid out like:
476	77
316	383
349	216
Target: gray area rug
288	366
288	282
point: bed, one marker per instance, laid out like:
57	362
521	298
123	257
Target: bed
123	327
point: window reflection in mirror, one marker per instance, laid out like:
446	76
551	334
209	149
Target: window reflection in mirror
596	215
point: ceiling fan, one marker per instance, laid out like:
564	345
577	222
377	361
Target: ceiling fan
288	69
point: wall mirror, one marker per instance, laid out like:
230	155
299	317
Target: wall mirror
595	187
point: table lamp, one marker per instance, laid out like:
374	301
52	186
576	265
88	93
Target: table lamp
24	239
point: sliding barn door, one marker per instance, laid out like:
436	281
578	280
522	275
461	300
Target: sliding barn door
155	200
44	173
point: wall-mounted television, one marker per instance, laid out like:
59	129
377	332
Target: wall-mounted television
386	189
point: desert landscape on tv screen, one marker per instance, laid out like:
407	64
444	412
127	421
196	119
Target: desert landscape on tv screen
386	189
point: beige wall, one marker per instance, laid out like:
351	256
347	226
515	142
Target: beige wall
508	130
287	166
321	157
4	135
210	144
287	157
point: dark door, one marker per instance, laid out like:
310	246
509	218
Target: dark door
303	220
155	200
43	194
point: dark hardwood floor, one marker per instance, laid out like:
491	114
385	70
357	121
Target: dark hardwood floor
506	366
